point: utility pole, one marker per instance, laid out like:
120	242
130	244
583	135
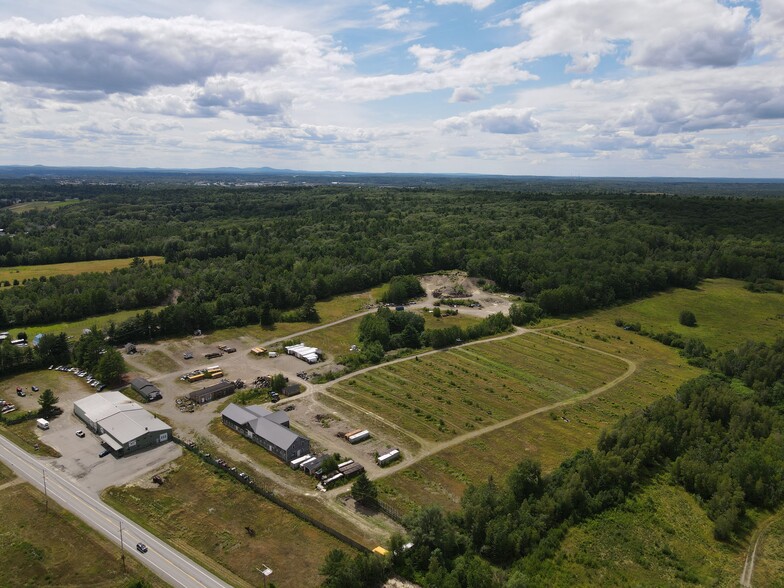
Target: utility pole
46	496
122	548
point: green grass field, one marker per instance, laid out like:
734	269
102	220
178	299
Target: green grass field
40	205
206	513
727	314
5	473
56	549
23	272
769	569
550	437
76	328
461	390
660	537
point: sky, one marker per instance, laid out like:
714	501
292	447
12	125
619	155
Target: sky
550	87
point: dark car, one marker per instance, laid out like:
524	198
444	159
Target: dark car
20	392
187	355
104	453
34	388
141	548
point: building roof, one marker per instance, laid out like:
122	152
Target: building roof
267	426
145	387
120	417
214	389
103	404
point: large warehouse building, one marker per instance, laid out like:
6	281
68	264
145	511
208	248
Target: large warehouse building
266	428
123	425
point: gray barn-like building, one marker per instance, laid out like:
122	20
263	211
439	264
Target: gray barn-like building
213	392
122	424
268	429
146	389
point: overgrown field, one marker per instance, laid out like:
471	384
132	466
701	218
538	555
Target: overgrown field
5	473
337	340
769	569
40	205
727	313
661	537
447	394
24	272
56	549
207	512
75	328
552	436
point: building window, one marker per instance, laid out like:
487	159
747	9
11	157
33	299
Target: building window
132	443
163	437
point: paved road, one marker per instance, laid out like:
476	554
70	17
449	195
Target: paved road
167	563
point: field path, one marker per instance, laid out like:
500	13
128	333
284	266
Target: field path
437	447
751	556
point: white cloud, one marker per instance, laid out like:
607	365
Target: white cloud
475	4
131	55
662	34
432	58
504	121
390	18
769	29
463	94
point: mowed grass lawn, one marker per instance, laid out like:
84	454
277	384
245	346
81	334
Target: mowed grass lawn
549	437
56	549
461	390
727	314
23	272
204	511
660	537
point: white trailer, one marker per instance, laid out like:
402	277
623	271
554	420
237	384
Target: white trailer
388	457
295	462
42	424
358	437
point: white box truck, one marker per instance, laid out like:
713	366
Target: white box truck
42	424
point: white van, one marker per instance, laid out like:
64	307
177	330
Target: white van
273	354
42	424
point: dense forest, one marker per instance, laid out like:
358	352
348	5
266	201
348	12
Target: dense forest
235	254
722	442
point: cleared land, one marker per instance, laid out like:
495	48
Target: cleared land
205	512
661	537
444	395
23	272
40	205
727	314
76	328
56	549
550	437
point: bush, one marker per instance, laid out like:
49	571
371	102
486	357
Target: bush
687	318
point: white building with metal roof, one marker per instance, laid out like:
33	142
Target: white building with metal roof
122	424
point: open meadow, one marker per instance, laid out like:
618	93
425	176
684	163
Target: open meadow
41	205
54	548
75	328
204	513
727	313
769	568
24	272
443	395
660	537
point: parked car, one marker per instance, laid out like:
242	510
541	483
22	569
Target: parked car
80	433
187	355
20	392
34	388
104	453
141	548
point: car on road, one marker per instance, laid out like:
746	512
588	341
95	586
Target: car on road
104	453
141	548
34	388
80	433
